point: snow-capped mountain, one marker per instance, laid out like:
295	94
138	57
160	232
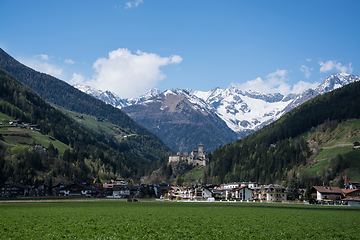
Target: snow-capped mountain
329	84
115	100
178	115
182	120
244	111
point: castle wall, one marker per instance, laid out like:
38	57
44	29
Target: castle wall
196	157
174	159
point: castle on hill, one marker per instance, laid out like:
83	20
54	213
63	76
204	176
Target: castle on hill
196	157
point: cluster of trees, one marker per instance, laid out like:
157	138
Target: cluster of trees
272	155
265	163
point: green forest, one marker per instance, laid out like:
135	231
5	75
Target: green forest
89	155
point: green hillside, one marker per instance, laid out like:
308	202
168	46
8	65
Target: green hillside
101	126
307	144
75	152
333	150
59	93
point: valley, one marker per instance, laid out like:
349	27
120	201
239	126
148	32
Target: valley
312	142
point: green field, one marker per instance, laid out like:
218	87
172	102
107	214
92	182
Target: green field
175	220
100	126
15	136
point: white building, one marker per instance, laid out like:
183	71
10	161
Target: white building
276	193
328	194
243	193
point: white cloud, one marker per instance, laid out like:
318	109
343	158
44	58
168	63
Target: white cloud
127	74
133	3
334	66
43	57
303	86
77	79
308	59
39	63
69	61
275	83
306	71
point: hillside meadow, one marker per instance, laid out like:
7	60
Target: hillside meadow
104	219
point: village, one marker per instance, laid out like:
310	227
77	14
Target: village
234	192
231	192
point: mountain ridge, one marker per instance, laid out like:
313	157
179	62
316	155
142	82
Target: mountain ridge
243	112
61	94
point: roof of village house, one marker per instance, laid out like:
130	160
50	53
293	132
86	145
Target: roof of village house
353	182
347	191
356	199
330	190
241	187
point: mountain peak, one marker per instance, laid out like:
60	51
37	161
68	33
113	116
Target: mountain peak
243	112
335	81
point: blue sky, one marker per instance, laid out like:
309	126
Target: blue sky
130	46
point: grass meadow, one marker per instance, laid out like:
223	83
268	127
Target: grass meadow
112	219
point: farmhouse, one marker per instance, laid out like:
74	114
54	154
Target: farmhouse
351	192
196	157
327	194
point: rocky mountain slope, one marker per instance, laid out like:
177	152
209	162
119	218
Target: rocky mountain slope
234	112
182	121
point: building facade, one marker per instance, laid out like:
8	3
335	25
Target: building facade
196	157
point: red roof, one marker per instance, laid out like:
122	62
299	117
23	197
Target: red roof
347	191
330	190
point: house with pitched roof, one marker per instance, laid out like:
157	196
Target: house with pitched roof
328	195
276	193
243	193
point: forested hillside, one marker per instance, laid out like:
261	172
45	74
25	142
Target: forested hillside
63	95
89	155
274	154
312	144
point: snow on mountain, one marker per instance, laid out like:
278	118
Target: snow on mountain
242	111
329	84
115	100
336	81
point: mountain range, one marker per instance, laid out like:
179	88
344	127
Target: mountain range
184	118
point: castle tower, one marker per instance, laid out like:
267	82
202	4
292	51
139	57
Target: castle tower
201	150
